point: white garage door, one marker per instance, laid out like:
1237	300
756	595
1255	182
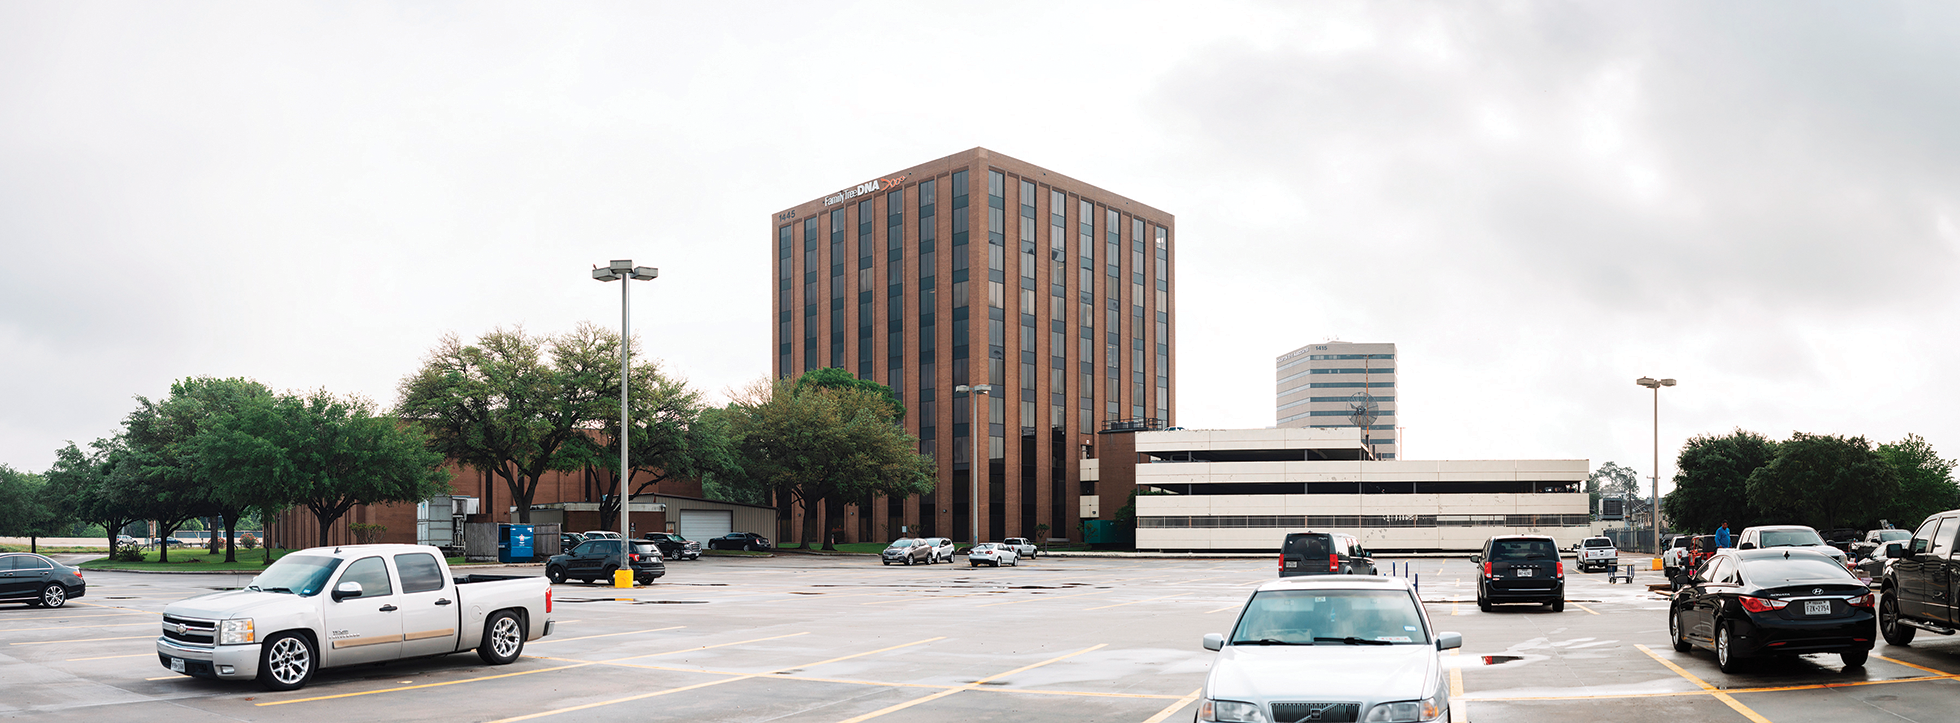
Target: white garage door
702	525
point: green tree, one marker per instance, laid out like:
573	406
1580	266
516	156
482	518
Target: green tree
1613	480
839	378
675	436
25	509
239	454
513	403
79	487
1925	483
1824	481
1711	481
336	452
820	444
164	436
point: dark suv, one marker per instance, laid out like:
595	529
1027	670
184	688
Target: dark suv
675	547
1323	553
1520	568
597	559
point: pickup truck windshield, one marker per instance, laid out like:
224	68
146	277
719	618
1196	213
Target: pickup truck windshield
1598	542
1354	617
1790	538
302	575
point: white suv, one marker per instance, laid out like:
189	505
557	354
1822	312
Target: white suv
1598	552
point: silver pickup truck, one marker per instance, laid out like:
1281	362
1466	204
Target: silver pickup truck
1022	546
332	606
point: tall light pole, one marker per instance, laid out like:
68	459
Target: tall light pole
1654	513
973	465
623	271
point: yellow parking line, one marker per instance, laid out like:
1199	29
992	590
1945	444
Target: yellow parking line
605	635
1165	714
1035	599
112	657
522	672
84	640
71	627
1940	673
1459	708
1719	695
132	611
746	676
1587	609
970	686
1145	600
1684	693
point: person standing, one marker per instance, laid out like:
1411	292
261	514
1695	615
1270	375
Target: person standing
1722	540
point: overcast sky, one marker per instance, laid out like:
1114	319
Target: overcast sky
1537	202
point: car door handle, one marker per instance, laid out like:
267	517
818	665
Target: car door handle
444	601
388	608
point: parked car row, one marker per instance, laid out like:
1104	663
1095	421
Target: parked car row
930	550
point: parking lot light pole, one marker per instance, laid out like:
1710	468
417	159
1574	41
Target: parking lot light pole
973	463
1654	513
623	271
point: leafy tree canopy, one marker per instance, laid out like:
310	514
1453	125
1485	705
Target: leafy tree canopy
1824	481
1711	481
821	443
838	378
1925	483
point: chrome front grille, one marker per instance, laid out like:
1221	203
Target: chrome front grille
190	632
1316	712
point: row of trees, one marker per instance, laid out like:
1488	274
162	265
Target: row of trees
1824	481
516	404
221	447
522	405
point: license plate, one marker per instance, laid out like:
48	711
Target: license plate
1817	607
1292	563
1523	572
176	665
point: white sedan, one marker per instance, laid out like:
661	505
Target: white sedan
992	553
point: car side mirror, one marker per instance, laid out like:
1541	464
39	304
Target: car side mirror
1214	641
1449	641
346	590
1746	546
1476	558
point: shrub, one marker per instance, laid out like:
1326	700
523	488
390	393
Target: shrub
127	553
247	541
365	533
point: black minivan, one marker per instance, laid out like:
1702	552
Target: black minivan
1520	568
1323	553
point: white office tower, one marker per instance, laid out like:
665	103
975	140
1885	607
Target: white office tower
1338	384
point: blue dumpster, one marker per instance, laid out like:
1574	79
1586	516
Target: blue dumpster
515	543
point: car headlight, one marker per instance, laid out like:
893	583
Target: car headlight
235	632
1408	711
1230	711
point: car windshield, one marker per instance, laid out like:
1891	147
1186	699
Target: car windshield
1513	550
302	575
1890	535
1309	617
1599	542
1777	571
1790	538
901	543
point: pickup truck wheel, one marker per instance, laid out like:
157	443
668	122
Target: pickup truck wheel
503	639
1888	620
555	574
286	662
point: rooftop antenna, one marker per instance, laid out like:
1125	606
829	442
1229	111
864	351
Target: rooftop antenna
1363	410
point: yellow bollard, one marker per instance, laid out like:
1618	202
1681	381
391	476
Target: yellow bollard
622	578
1657	564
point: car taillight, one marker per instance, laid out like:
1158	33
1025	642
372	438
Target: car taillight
1761	605
1561	569
547	600
1487	572
633	556
1333	561
1863	601
1282	562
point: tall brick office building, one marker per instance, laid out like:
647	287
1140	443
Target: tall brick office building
980	269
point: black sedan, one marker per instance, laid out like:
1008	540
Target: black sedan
739	541
1773	601
38	581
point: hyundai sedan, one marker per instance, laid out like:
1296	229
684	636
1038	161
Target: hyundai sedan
1329	648
1773	601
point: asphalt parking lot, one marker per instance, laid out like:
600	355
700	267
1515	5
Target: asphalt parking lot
845	639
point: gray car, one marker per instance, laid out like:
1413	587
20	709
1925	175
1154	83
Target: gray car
1329	648
906	551
38	581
